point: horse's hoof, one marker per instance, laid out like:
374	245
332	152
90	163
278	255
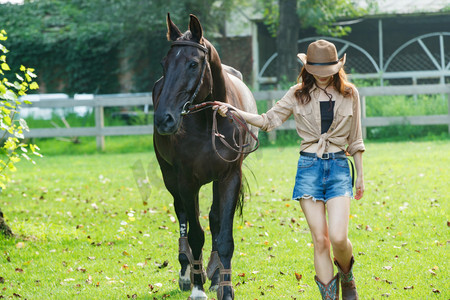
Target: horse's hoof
198	294
184	282
185	285
225	293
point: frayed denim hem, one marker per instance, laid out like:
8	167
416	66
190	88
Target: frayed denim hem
304	197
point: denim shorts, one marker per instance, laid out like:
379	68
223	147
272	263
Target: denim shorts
322	179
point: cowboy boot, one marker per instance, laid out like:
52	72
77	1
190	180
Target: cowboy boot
329	291
348	284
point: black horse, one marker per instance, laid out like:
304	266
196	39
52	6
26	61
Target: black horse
188	156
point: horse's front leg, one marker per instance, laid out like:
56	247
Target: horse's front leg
212	270
184	250
229	189
196	240
170	178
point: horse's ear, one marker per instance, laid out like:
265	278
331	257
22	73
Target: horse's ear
173	33
196	29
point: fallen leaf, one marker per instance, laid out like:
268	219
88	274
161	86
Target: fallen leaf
29	262
20	245
436	291
408	287
19	270
387	268
298	276
432	272
241	274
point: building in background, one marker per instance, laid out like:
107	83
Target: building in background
403	42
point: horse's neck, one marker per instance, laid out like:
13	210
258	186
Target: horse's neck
219	89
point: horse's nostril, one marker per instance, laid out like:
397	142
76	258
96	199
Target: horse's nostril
165	119
168	119
165	123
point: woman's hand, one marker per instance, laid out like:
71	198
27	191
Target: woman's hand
359	185
222	108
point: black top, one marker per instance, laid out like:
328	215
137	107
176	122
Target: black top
326	115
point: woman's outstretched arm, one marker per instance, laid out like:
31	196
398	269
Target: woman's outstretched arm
251	118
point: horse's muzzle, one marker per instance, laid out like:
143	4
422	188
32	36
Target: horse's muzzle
166	124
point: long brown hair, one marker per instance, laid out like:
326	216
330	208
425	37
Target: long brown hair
339	82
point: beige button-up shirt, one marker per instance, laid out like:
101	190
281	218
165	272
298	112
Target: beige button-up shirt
344	130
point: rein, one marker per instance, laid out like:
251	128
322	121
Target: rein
185	110
239	123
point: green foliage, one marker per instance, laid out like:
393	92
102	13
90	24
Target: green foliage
321	15
91	237
13	149
83	46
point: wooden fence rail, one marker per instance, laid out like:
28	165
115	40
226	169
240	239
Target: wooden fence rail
102	101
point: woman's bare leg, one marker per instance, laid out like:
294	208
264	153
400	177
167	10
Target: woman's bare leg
338	217
315	214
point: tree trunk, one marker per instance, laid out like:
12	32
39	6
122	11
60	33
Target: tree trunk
287	37
4	229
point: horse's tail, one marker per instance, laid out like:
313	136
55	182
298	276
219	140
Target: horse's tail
245	188
243	191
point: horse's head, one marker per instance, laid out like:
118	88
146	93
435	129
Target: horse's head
187	75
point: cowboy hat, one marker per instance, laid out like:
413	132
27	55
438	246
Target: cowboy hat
321	59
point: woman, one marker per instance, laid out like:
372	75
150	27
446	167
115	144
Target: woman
326	110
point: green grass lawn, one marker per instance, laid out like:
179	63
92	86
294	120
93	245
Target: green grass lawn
83	231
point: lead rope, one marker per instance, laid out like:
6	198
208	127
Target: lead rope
239	124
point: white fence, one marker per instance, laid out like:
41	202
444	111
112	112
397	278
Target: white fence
100	102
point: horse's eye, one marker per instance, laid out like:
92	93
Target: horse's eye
193	65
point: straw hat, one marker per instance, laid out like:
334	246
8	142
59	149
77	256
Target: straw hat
321	59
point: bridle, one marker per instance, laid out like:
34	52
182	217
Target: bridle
239	123
188	103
